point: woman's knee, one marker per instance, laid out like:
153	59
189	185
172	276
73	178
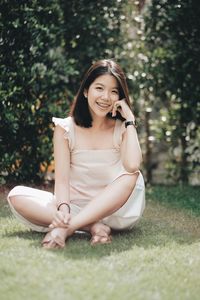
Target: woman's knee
17	190
15	198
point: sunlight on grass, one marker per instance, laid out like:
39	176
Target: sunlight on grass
158	259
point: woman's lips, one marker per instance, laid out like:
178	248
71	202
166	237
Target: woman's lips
103	105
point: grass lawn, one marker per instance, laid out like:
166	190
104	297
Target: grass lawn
158	259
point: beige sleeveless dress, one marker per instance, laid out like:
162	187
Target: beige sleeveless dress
90	172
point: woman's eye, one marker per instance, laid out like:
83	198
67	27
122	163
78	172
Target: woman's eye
115	92
99	88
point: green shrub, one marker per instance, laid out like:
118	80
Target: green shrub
33	76
45	46
173	39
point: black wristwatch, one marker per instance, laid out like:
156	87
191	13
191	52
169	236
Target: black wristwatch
133	123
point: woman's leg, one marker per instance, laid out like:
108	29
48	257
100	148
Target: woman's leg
101	234
36	206
111	199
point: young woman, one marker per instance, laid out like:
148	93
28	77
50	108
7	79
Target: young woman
98	185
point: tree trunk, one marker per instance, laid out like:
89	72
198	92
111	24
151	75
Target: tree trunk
183	163
148	154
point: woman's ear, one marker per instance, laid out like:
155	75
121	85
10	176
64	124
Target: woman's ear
85	93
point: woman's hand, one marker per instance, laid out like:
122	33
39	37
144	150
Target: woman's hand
61	218
122	107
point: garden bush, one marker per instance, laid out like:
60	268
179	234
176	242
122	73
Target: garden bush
172	43
45	46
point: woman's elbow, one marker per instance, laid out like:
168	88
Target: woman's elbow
132	168
133	165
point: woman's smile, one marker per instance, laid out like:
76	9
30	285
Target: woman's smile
103	105
102	94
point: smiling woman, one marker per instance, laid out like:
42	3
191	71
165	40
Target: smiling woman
106	86
98	185
102	95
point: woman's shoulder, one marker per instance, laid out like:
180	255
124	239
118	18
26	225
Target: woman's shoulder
67	125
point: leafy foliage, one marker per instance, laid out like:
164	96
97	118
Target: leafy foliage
91	32
172	34
32	73
44	48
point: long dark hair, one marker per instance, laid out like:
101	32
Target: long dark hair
80	110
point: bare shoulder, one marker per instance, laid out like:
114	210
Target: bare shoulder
58	132
59	137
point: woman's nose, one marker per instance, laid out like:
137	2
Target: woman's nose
105	95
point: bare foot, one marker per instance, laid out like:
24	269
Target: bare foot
55	239
100	234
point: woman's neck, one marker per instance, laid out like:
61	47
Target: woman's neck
101	123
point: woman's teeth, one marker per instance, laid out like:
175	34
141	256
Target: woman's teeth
103	105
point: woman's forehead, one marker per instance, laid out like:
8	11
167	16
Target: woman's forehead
106	80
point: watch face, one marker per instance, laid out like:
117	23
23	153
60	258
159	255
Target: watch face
127	123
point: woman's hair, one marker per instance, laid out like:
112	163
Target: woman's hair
80	110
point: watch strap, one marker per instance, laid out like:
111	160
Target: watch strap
133	123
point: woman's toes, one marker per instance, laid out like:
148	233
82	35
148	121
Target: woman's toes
59	241
54	239
97	239
49	245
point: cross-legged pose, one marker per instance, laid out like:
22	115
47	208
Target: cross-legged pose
98	185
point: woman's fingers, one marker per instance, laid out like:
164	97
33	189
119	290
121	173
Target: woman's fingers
117	106
67	218
60	220
56	224
122	107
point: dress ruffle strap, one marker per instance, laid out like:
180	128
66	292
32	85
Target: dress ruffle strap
67	125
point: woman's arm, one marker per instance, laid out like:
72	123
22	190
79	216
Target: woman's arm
62	168
131	154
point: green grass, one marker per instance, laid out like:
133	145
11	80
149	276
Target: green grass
181	196
158	259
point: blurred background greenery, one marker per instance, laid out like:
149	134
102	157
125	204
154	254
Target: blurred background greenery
45	48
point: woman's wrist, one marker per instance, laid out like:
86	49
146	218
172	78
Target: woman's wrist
130	123
130	117
130	120
63	206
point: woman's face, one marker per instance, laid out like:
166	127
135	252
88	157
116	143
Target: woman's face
102	94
